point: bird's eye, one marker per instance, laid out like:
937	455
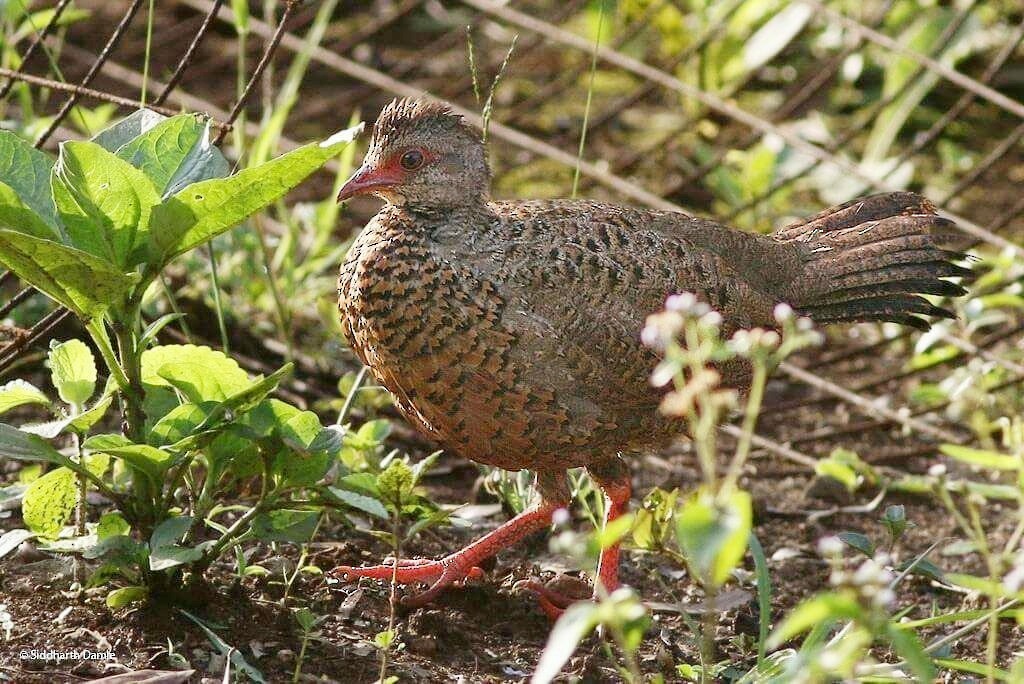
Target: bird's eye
411	160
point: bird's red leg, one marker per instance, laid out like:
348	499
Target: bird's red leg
465	563
614	480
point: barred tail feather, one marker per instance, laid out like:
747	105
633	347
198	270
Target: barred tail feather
871	259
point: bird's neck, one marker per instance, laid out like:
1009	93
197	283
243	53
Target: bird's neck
470	210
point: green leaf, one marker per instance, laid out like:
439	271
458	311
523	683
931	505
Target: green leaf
119	598
774	35
285	525
13	539
127	129
49	501
859	542
821	609
200	373
361	502
576	622
229	652
27	170
300	465
22	446
164	549
80	281
79	424
714	536
201	211
180	423
905	643
981	457
20	393
73	371
14	214
104	201
150	460
112	525
396	483
175	153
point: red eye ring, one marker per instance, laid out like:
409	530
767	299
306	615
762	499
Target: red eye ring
412	160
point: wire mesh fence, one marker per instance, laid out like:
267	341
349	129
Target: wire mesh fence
753	112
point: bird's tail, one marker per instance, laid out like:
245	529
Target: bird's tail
871	259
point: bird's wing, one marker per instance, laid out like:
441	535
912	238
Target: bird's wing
584	277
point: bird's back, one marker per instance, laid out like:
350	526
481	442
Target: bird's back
511	333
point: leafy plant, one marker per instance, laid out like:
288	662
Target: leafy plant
94	230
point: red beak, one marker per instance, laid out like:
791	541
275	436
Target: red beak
366	180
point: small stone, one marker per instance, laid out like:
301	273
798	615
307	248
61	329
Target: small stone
423	645
286	655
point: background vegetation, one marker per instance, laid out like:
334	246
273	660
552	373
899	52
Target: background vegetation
179	471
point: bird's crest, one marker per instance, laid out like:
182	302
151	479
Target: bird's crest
402	114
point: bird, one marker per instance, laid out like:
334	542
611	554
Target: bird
508	332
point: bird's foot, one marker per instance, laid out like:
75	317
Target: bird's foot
454	570
558	593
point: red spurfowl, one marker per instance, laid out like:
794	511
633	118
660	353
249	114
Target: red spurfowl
509	332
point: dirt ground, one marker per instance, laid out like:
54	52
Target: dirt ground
482	633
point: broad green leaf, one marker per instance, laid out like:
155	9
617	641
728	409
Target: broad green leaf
201	211
981	457
22	446
714	536
299	465
127	129
164	549
180	423
80	281
175	153
858	541
200	373
27	171
16	215
119	598
20	393
73	371
150	460
285	525
49	501
360	502
104	201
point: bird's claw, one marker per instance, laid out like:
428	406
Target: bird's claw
557	594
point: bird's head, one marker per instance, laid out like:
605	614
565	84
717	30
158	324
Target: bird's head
422	155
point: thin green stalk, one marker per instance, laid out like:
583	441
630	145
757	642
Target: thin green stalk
172	301
218	306
280	308
98	332
590	94
350	399
396	529
149	45
472	63
753	409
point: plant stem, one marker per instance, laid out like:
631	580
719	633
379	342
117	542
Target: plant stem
753	409
396	530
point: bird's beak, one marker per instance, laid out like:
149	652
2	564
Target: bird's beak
366	179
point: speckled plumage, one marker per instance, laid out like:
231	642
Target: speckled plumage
508	332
